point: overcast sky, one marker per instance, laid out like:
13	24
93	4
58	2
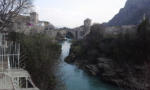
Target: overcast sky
71	13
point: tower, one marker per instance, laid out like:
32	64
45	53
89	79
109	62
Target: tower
87	25
34	18
144	17
87	22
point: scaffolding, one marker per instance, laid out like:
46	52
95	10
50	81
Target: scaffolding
12	75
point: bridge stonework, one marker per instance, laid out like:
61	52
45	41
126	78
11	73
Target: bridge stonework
82	31
76	33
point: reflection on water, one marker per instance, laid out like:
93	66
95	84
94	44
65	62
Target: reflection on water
76	79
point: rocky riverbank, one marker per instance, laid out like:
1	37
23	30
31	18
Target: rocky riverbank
121	60
111	73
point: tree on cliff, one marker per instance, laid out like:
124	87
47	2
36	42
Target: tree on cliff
9	9
144	39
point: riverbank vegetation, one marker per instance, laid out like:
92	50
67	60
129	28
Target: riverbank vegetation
122	61
40	55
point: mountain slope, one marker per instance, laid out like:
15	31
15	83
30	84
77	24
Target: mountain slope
132	13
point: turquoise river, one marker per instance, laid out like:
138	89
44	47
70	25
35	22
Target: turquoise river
75	78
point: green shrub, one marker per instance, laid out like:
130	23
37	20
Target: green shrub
122	49
41	57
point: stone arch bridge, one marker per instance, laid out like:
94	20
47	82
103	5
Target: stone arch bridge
77	33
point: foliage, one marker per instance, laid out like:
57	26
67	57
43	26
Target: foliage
41	57
10	9
129	56
88	49
122	49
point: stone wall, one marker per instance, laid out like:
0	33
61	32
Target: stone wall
113	31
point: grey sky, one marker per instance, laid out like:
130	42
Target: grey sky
71	13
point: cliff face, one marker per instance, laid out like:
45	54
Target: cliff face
132	13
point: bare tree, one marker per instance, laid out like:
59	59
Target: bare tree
10	9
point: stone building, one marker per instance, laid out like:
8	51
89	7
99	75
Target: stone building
34	18
46	25
87	24
115	31
30	23
21	23
83	30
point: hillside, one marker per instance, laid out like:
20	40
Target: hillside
132	13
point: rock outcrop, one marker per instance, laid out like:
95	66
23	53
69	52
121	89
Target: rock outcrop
132	13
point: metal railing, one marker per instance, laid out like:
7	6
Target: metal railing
12	75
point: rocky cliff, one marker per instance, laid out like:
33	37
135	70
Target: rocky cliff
132	13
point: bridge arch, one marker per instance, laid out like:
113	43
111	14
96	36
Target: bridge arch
70	35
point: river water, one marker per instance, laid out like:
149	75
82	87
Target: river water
76	79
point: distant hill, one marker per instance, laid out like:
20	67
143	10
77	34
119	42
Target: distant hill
132	13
